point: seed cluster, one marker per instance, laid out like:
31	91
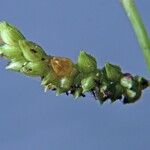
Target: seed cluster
62	75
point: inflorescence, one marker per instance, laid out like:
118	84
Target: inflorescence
62	75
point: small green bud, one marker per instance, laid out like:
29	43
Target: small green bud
31	51
113	72
78	78
65	83
10	34
77	93
16	65
117	93
11	52
59	91
50	78
88	83
132	96
105	91
100	93
33	69
127	81
142	82
131	93
49	87
86	62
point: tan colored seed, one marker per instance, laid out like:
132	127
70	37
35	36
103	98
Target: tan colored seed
62	66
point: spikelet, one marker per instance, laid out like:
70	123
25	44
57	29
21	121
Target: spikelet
10	34
31	51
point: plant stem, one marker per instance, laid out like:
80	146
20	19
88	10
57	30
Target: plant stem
139	28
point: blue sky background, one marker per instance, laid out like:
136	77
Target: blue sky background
33	120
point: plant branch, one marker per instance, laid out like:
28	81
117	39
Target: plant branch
139	28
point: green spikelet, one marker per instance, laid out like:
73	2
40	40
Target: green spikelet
33	69
113	72
11	52
77	93
65	83
10	34
50	78
16	65
31	51
86	62
117	92
143	83
88	83
63	76
127	81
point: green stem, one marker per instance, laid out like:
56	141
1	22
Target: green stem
139	28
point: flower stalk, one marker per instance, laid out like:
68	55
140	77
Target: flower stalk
139	28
